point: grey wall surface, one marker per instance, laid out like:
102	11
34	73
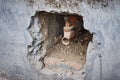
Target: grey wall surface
104	21
14	38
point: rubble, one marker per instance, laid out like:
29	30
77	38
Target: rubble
72	56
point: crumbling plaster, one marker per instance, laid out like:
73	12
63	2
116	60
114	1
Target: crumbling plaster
103	20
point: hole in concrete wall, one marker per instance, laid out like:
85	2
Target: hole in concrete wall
63	52
61	38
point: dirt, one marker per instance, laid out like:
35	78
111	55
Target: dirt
72	52
73	55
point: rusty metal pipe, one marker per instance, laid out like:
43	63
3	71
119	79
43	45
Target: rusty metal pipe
65	41
68	35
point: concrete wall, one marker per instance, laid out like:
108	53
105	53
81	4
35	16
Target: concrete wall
103	18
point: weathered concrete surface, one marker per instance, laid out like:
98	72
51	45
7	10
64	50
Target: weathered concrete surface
104	21
14	38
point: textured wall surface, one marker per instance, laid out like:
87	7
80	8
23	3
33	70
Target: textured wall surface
102	18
